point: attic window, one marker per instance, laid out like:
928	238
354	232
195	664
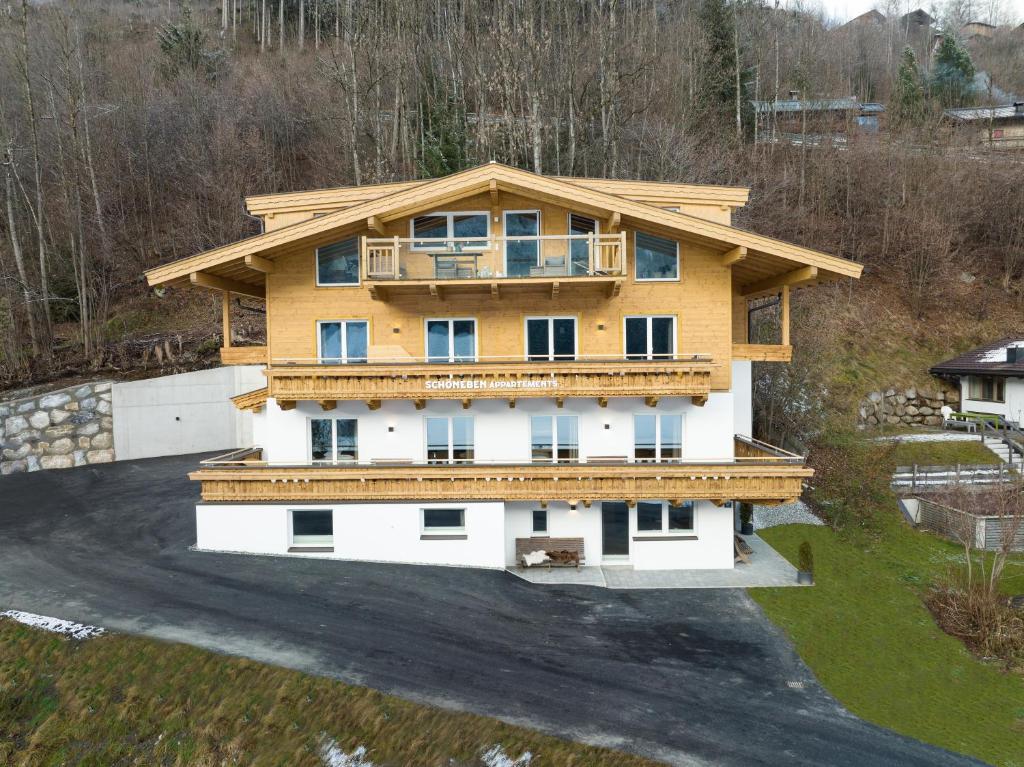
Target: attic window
338	263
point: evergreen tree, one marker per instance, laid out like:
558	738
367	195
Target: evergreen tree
719	70
908	98
184	47
954	72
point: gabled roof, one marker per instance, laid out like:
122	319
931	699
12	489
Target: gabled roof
985	360
654	192
240	262
972	114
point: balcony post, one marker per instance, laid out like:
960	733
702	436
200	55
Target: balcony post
785	315
226	317
622	252
394	256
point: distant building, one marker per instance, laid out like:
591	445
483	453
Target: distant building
872	18
1001	127
974	30
816	122
991	378
916	20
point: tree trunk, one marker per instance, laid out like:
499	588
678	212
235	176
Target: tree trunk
19	260
302	24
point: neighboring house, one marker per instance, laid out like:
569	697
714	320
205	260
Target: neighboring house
458	363
1000	127
872	18
816	122
991	379
974	30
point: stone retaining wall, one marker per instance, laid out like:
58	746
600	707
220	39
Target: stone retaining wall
57	430
910	407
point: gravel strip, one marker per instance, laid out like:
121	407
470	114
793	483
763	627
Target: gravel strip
786	514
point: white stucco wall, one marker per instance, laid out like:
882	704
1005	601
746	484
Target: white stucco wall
1012	408
373	532
743	397
501	433
184	413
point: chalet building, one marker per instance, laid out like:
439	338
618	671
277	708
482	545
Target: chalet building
991	379
458	363
816	122
999	127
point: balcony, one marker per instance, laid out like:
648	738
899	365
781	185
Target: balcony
402	266
759	473
503	378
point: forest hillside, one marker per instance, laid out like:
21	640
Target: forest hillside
130	131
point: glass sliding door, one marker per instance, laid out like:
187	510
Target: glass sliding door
555	439
451	340
579	250
334	439
343	342
521	255
450	440
650	338
550	338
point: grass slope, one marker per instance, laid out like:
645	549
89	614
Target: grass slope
942	453
867	636
130	701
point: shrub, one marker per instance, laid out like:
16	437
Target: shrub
746	513
981	619
805	558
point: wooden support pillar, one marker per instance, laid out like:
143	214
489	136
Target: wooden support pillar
785	315
226	317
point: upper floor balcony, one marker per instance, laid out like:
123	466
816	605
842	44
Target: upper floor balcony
757	473
509	378
439	266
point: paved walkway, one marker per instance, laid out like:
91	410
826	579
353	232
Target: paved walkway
767	568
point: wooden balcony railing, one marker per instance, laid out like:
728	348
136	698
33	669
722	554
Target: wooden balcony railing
770	477
489	258
493	379
243	355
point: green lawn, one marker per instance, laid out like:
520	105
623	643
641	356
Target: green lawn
130	701
867	636
948	453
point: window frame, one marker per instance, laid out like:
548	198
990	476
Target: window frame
568	228
334	460
359	266
505	236
636	262
665	530
555	443
551	356
450	460
425	530
657	437
649	355
546	531
449	229
977	384
292	544
344	358
451	340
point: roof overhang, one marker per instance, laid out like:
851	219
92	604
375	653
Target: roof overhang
760	264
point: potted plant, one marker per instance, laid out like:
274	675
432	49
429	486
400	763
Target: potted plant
805	565
747	518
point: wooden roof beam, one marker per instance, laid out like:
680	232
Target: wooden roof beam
733	256
775	284
374	223
258	264
213	282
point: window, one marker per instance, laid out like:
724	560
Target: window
554	439
657	437
338	264
451	340
444	520
312	528
650	338
522	250
987	388
342	341
997	133
550	338
450	440
333	439
656	258
447	226
540	520
655	516
579	250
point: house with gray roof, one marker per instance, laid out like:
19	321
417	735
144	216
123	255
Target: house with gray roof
991	378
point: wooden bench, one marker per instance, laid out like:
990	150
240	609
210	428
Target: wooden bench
564	552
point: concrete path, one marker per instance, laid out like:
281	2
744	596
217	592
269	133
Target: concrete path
692	677
767	568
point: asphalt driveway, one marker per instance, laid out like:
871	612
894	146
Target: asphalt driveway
691	677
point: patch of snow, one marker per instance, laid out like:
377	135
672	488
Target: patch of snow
56	625
930	436
332	756
998	354
784	514
496	757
